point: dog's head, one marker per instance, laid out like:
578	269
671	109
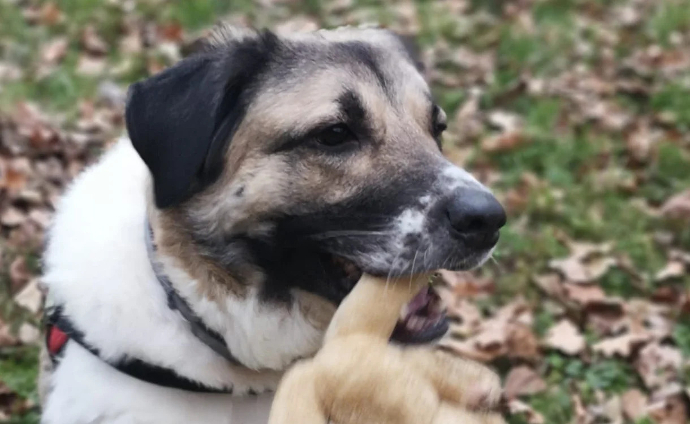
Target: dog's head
312	158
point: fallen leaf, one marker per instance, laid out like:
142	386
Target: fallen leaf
30	297
92	42
465	317
53	52
586	263
12	217
41	216
565	337
584	294
642	141
634	404
582	416
673	269
521	381
620	345
171	31
503	142
658	365
671	410
90	66
551	285
677	207
19	273
467	285
516	407
28	334
521	342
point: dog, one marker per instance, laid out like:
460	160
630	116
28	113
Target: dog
208	249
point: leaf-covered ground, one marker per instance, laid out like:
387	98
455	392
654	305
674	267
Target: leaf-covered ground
577	113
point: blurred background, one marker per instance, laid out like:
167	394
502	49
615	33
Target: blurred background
577	113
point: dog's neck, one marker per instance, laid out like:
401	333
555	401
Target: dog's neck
260	334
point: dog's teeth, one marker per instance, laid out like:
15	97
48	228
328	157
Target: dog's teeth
412	323
426	323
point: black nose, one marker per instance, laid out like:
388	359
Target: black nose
475	211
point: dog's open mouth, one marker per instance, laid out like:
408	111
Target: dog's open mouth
422	320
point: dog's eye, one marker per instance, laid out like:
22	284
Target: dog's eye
335	136
439	127
438	121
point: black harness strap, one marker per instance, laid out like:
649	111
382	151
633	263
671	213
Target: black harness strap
154	374
60	330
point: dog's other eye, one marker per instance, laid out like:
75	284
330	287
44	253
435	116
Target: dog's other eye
335	136
438	122
439	127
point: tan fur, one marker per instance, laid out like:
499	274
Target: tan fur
359	378
173	241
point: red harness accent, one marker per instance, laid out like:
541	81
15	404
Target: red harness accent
56	340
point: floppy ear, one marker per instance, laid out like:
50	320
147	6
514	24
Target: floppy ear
181	120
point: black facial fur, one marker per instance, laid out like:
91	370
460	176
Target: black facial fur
181	120
297	252
362	54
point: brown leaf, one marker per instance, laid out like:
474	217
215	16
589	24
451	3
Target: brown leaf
620	345
673	269
658	365
584	294
30	297
90	66
131	43
586	263
516	407
28	334
671	410
467	285
19	273
503	142
642	141
12	217
678	206
523	381
50	14
521	342
634	404
92	42
53	52
41	217
565	337
551	285
581	414
466	316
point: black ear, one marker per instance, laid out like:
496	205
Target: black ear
181	120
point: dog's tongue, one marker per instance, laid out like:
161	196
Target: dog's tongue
420	300
422	320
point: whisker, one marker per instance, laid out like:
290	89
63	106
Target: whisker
393	265
414	259
345	233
